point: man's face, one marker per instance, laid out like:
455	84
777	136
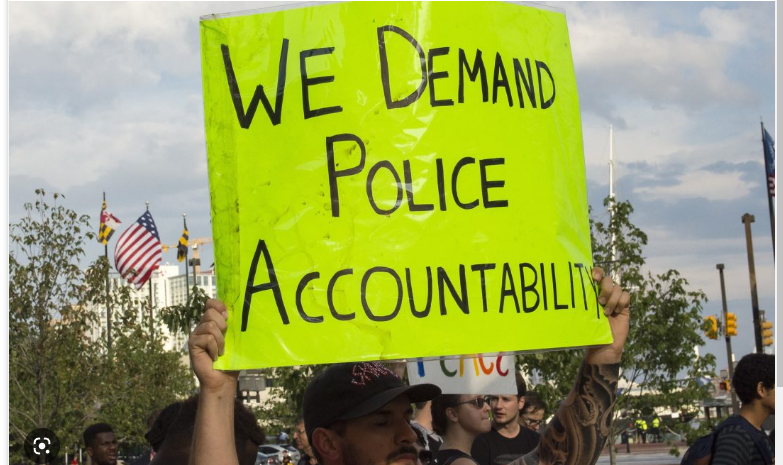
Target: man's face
532	420
383	437
300	438
767	397
103	449
506	409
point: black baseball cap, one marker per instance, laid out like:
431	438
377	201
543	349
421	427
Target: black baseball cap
352	390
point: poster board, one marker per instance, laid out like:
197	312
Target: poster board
396	180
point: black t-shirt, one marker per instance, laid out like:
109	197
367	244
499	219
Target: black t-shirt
495	449
734	445
446	456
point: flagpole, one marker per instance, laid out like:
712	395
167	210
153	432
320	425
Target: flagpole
769	195
150	282
187	272
108	289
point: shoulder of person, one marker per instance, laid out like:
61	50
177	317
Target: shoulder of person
484	437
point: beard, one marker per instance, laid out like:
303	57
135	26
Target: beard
352	457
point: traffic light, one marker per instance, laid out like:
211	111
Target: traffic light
766	333
724	385
711	327
731	324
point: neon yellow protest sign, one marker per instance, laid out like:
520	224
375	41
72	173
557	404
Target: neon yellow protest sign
396	180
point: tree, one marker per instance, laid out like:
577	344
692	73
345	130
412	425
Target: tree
659	363
138	377
60	378
51	364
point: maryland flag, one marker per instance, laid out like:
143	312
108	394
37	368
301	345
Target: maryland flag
182	247
109	223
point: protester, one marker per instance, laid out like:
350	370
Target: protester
300	442
532	414
368	422
101	444
507	440
422	421
459	419
743	442
172	434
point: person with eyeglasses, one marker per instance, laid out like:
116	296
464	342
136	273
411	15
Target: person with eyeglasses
506	441
301	443
459	419
532	414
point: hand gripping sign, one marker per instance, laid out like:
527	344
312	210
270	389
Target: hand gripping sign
396	180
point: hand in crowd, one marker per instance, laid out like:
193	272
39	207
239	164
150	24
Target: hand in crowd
616	304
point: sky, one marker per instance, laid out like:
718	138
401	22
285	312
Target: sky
107	97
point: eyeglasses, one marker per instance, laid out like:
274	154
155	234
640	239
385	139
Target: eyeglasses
299	432
478	402
531	422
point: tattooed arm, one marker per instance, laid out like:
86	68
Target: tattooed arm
577	433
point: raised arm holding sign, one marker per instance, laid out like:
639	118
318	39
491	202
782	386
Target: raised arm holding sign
374	428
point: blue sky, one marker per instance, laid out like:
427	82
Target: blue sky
107	97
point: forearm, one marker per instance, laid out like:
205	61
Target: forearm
213	437
581	425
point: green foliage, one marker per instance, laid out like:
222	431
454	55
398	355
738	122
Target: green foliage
183	318
280	411
139	377
659	366
52	366
60	378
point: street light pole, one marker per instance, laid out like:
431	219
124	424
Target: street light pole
747	218
734	403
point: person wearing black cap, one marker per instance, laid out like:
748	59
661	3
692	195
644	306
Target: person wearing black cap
350	408
359	413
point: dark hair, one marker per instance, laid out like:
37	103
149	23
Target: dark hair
94	430
176	423
750	371
533	403
160	427
439	405
521	385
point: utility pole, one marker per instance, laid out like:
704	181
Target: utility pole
734	403
747	218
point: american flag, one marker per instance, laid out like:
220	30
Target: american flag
138	251
769	159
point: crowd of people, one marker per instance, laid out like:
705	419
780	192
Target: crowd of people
363	413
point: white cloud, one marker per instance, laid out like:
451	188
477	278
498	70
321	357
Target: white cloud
703	184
